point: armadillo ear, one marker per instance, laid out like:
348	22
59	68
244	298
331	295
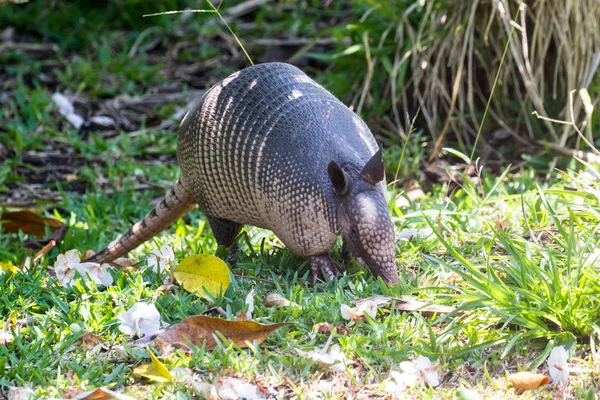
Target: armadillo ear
373	170
339	179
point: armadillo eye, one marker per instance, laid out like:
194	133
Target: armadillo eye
354	231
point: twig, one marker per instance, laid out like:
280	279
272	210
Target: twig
565	151
51	244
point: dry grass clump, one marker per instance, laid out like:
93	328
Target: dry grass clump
457	49
554	49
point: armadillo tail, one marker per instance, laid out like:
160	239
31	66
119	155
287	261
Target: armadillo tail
175	205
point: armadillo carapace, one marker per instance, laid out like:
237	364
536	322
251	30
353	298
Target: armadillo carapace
269	147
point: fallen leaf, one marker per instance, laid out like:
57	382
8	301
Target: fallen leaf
275	300
20	393
89	340
452	278
71	177
525	380
326	328
102	394
241	316
55	237
423	308
8	266
5	338
200	328
155	371
28	222
87	254
124	262
203	273
378	300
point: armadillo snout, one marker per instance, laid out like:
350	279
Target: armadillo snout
375	235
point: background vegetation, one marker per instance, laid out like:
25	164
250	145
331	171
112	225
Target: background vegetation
515	228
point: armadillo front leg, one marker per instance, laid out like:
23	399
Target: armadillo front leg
323	263
225	232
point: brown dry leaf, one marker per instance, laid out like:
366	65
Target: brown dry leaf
525	380
71	177
124	262
275	300
89	340
326	328
29	222
452	278
102	394
5	338
200	328
241	316
55	237
408	305
378	300
87	254
419	306
501	223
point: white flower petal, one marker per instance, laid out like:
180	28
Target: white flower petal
369	307
154	264
421	363
104	277
250	303
142	319
248	391
432	377
404	380
558	365
167	253
72	257
347	312
408	367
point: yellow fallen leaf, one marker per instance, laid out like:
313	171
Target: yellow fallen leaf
155	371
203	274
525	380
7	266
198	329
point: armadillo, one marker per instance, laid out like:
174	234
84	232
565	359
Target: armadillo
271	148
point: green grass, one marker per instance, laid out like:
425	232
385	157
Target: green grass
521	289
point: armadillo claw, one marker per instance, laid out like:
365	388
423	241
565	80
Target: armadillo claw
322	266
232	257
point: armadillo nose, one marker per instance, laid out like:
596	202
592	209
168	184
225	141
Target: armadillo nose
390	274
391	279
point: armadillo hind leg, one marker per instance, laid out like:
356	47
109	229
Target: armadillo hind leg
225	232
322	266
346	250
175	205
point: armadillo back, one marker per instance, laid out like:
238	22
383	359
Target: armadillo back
255	150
